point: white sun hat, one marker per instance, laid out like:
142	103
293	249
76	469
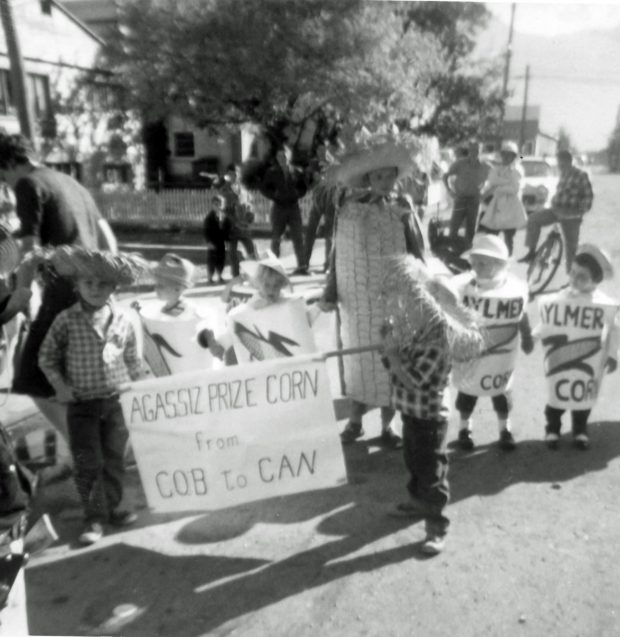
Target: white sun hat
488	245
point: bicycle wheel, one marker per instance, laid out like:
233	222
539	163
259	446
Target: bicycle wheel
545	263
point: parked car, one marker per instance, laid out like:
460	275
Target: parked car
539	183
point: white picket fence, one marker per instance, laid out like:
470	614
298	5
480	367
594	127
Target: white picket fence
176	208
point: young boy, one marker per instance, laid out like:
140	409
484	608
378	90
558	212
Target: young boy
173	277
579	332
425	330
217	231
499	299
87	355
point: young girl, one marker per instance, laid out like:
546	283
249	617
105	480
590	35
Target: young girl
498	299
270	325
371	224
502	207
579	332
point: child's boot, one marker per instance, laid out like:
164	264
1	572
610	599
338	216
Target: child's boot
351	432
466	440
506	439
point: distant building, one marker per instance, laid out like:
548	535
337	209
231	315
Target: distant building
100	15
527	132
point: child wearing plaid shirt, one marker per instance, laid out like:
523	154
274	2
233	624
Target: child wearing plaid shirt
88	353
425	329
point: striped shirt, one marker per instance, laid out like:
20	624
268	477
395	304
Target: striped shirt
426	366
92	356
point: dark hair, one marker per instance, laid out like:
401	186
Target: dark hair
588	262
14	149
231	168
564	155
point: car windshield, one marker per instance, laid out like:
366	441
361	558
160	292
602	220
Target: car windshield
538	169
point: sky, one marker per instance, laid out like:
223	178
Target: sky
573	50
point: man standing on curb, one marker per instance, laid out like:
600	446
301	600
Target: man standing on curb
464	181
573	198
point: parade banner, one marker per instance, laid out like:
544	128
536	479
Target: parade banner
500	311
169	344
277	330
575	334
214	439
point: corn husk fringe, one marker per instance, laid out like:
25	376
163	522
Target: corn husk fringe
412	309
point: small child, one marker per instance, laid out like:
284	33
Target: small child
499	299
173	277
425	330
217	231
270	324
87	355
579	332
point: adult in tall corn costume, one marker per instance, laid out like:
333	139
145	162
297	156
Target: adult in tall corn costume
372	223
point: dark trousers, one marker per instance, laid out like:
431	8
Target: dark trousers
465	211
427	463
554	420
282	216
316	213
465	404
246	241
216	258
97	439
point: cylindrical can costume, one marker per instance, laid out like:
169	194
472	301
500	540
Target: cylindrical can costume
500	310
578	333
276	330
366	233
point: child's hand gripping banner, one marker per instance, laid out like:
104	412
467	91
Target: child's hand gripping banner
208	440
575	334
500	310
277	330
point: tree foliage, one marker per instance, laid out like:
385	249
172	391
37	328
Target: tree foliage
281	62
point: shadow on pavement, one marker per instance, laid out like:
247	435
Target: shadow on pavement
141	592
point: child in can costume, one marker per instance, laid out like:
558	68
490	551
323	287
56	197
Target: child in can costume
499	300
579	332
372	223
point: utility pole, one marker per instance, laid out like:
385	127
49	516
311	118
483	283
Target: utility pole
506	72
18	76
524	111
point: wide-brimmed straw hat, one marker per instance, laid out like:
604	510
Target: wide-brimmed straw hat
354	166
600	256
9	251
268	260
175	269
120	269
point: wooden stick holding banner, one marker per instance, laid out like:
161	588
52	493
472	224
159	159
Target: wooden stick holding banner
347	352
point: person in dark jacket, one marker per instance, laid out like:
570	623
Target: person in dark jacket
285	185
217	229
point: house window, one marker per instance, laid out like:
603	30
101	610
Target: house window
184	144
46	7
7	104
39	95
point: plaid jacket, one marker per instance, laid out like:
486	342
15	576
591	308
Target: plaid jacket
574	191
427	367
93	361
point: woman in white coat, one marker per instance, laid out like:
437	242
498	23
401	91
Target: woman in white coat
502	209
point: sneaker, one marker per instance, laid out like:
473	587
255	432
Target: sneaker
92	533
581	441
351	433
122	518
507	441
433	544
552	440
527	258
466	441
413	508
389	438
301	271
